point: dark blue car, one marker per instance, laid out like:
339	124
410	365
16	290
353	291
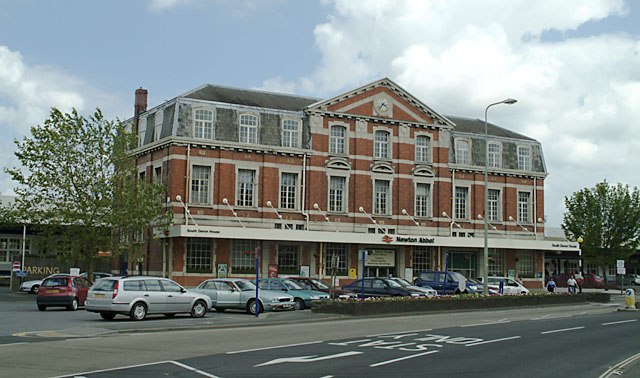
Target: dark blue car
446	282
381	287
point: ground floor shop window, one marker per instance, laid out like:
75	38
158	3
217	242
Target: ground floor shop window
336	255
243	260
199	255
496	263
525	264
288	259
421	259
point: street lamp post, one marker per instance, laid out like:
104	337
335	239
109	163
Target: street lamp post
580	263
485	274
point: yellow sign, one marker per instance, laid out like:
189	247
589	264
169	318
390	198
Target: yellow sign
353	273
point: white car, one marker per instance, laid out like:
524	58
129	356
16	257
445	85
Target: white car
31	286
510	286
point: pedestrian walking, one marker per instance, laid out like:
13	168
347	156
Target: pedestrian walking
572	284
551	285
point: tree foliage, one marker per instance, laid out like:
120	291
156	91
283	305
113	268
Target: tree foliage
607	217
79	183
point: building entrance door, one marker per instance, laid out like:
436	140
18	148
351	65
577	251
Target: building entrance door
463	262
380	263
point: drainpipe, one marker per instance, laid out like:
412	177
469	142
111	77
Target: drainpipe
304	192
453	202
535	208
186	186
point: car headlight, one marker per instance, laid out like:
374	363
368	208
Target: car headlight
275	300
315	297
473	287
415	294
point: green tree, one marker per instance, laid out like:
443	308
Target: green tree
607	217
79	183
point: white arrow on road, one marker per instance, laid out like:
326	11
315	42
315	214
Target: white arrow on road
313	358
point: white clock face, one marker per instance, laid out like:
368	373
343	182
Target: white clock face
382	105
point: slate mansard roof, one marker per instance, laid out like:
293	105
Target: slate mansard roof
247	97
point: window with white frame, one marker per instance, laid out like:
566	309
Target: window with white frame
337	187
288	259
243	256
422	149
423	200
524	158
493	205
157	128
462	151
525	264
288	189
496	262
381	197
421	260
524	199
462	203
199	256
246	187
248	129
338	140
494	152
290	133
200	185
203	124
381	146
337	255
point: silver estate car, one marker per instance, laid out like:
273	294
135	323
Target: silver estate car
238	293
138	296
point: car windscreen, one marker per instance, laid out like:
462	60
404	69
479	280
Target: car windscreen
55	281
400	282
291	285
393	284
457	276
246	285
321	285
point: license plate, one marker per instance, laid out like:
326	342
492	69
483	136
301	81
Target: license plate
53	291
98	295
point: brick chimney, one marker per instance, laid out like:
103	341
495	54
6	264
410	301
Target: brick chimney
139	106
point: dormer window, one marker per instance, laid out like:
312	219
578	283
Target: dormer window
524	158
203	124
462	151
494	154
291	133
248	129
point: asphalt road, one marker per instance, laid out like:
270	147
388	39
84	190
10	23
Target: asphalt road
577	341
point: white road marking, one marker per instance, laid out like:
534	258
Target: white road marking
494	341
622	321
137	366
273	347
614	369
11	344
193	369
487	323
399	333
312	358
547	317
402	358
561	330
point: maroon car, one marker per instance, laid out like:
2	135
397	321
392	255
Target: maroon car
62	290
315	284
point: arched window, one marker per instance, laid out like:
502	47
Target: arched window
248	129
381	146
338	140
422	149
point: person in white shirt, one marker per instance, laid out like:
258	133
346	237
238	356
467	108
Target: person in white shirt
572	284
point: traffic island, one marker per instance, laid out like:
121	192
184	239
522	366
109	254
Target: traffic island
381	306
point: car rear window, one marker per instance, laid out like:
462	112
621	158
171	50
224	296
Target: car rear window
104	285
56	281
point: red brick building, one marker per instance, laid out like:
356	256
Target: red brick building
301	180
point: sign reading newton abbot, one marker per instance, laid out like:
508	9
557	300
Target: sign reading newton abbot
416	240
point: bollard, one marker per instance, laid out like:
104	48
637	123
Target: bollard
630	299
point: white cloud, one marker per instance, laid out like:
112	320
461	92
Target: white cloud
578	96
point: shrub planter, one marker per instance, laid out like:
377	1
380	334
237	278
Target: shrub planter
454	303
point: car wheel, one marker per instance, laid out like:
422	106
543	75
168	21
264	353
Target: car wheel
199	309
42	307
138	311
251	307
74	305
107	315
220	309
299	305
34	289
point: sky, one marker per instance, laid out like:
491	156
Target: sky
573	65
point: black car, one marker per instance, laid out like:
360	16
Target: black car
381	287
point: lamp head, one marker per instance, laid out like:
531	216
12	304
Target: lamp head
480	216
444	214
178	198
540	220
315	206
269	203
361	209
510	218
225	201
580	239
510	101
404	211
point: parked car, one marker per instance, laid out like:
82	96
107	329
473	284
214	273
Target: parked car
631	279
97	275
447	282
238	293
31	286
302	298
428	290
316	284
590	280
138	296
480	287
509	285
62	290
381	287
